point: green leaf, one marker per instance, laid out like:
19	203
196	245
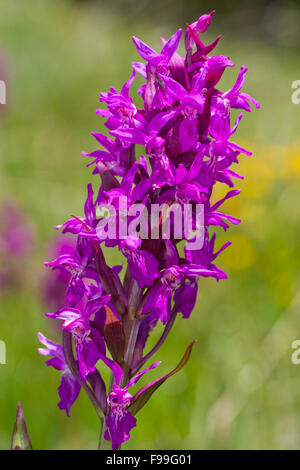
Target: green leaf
20	438
142	396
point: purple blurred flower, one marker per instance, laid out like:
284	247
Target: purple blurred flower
17	241
16	236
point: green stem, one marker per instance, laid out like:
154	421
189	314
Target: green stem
101	435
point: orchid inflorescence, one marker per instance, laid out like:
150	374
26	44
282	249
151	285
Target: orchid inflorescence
184	128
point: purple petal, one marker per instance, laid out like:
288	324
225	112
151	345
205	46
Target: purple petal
140	68
171	45
144	51
230	194
68	392
127	85
185	298
160	120
137	377
114	367
174	88
119	422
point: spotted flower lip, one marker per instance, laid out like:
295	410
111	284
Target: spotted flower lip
186	132
119	419
159	299
122	406
17	241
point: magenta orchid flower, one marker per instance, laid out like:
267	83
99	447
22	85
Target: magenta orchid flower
77	322
185	129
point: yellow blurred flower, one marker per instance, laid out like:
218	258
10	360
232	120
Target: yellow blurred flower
293	160
240	255
282	287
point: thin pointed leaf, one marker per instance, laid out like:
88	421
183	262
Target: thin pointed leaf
20	438
114	336
142	396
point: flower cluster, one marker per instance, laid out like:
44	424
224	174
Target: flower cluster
185	130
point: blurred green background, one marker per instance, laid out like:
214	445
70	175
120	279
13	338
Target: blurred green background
240	389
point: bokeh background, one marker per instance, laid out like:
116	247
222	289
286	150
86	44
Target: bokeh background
240	389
